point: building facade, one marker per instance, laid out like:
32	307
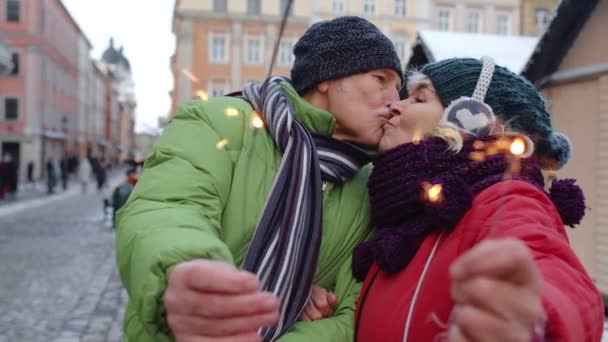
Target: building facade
571	69
40	98
55	102
476	16
536	15
223	44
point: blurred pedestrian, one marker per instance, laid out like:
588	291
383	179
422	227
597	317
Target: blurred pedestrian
123	191
84	173
4	175
63	168
13	176
51	176
30	173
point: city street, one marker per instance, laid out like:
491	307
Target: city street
59	280
58	275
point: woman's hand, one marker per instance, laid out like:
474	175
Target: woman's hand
496	287
321	304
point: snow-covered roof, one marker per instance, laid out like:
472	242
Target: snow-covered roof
511	52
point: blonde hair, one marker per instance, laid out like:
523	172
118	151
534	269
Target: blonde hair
453	137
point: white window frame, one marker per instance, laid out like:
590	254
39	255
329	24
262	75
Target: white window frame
471	25
369	7
225	57
286	49
247	53
400	42
337	7
400	8
508	25
218	88
440	19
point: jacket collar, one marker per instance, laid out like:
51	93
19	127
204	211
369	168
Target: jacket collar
316	120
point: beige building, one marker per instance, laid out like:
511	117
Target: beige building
476	16
536	15
223	44
571	69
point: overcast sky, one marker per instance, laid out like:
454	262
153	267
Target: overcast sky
143	27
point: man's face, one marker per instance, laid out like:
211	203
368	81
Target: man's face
361	104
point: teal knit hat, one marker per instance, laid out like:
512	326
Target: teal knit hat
512	98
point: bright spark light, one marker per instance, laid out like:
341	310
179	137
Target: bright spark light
232	112
202	95
221	144
518	146
434	193
256	121
417	136
189	74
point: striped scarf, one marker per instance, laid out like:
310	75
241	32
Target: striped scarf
284	250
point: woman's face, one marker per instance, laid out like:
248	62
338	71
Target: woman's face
413	118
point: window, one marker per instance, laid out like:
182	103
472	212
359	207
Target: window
218	88
219	48
13	10
474	21
253	50
15	61
400	43
220	5
254	6
503	23
369	7
337	6
284	5
286	53
400	8
11	108
444	22
542	18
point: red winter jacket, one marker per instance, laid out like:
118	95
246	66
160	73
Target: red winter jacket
572	303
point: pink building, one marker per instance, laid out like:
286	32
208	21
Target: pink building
40	99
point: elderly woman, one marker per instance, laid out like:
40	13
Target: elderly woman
468	244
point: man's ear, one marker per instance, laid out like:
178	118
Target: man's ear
323	87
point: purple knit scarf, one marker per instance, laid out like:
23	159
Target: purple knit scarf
403	218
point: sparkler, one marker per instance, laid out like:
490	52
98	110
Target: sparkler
189	74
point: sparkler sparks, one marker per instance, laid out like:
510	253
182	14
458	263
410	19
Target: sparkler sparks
202	95
256	121
221	144
433	192
417	136
232	112
189	74
518	146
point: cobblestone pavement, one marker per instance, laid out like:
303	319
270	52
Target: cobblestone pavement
58	280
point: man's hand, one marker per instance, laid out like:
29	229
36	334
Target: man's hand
215	302
497	290
320	305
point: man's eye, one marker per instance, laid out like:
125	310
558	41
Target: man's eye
380	78
418	100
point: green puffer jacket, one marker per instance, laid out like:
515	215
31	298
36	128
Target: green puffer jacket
196	199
